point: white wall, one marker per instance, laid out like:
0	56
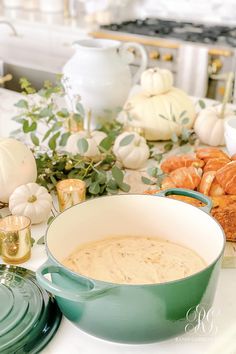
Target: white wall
219	11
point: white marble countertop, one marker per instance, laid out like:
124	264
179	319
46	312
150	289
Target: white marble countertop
70	339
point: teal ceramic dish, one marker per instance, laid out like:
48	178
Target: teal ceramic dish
133	313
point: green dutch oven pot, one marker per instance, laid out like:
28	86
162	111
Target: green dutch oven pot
134	313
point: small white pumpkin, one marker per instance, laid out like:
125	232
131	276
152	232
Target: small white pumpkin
161	114
209	125
156	81
31	200
17	166
93	140
131	150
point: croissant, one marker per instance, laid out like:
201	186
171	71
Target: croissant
215	164
183	177
206	182
168	183
226	177
216	190
174	162
210	153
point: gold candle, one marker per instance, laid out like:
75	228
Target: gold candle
70	192
15	237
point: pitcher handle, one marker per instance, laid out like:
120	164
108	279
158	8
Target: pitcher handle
144	59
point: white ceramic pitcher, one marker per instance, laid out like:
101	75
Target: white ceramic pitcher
99	73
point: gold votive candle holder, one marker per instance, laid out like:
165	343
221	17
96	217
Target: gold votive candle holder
15	236
70	192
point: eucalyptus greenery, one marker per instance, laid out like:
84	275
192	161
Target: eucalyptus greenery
43	109
53	164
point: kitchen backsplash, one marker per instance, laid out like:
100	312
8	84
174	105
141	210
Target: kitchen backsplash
218	11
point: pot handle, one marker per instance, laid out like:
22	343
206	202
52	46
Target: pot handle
143	55
91	294
188	193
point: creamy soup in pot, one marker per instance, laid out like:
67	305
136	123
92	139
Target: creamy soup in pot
134	260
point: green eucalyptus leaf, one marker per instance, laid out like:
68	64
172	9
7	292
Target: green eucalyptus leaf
80	109
146	180
53	141
35	139
56	126
64	138
106	143
41	240
94	188
202	104
185	121
127	140
117	174
152	171
158	157
168	146
29	127
50	219
101	177
82	145
32	241
46	135
124	187
63	113
46	112
22	104
112	191
112	184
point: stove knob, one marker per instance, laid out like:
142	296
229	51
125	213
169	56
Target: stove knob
154	54
167	57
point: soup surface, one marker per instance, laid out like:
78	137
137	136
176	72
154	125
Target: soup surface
134	260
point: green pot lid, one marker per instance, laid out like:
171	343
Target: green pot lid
29	316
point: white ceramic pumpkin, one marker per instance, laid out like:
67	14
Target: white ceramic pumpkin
17	166
156	81
93	139
209	125
134	154
31	200
160	115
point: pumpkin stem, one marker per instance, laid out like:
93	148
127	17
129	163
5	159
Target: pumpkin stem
32	199
228	92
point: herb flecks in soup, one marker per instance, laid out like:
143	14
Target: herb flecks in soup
134	260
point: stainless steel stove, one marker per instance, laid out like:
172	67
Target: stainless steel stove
184	31
165	41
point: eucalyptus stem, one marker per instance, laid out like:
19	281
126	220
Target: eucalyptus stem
228	91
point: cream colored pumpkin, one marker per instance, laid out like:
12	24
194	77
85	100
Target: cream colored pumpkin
156	81
31	200
17	166
93	139
149	110
209	125
134	154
